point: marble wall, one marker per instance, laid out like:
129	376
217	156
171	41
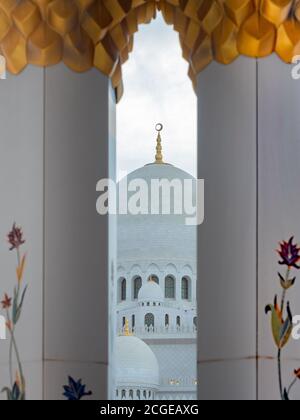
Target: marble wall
249	156
57	132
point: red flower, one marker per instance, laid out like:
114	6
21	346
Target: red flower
15	237
6	303
289	252
297	373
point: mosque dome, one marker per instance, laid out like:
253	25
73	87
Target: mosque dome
151	292
136	364
157	237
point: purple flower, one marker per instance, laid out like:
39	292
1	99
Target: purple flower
289	252
15	237
75	391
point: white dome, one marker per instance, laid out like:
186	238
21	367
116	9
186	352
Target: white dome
151	292
136	364
157	237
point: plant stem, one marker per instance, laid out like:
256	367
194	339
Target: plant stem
13	340
18	361
279	351
18	257
283	301
284	291
11	363
280	374
291	386
10	352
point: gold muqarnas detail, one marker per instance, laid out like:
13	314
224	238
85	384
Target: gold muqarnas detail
99	33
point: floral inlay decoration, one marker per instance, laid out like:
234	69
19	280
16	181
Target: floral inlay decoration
12	306
75	390
281	314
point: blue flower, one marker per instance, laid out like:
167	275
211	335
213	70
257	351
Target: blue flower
75	391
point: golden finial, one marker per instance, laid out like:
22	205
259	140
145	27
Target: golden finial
159	157
127	332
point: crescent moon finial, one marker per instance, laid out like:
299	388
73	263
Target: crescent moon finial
159	157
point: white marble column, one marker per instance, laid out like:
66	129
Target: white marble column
279	212
79	254
21	188
249	153
57	140
227	239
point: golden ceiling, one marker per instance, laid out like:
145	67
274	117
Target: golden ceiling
99	33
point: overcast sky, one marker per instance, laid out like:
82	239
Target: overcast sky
157	90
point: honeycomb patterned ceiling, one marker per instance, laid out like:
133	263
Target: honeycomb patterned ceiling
99	33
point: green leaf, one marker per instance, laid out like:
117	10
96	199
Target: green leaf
19	308
8	393
286	395
16	393
276	323
287	328
285	333
15	307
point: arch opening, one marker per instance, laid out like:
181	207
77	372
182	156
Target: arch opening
156	250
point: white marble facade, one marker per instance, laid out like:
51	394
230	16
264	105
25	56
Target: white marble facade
156	292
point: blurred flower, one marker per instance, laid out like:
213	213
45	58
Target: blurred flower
9	325
6	303
297	373
289	252
286	283
15	237
75	391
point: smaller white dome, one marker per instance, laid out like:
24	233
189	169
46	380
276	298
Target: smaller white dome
151	292
136	364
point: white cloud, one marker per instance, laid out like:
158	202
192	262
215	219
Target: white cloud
157	89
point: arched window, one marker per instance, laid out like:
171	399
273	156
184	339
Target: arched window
122	286
154	278
178	321
133	321
149	320
137	284
195	321
170	287
185	292
167	320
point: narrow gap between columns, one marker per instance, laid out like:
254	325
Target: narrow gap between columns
44	234
257	229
